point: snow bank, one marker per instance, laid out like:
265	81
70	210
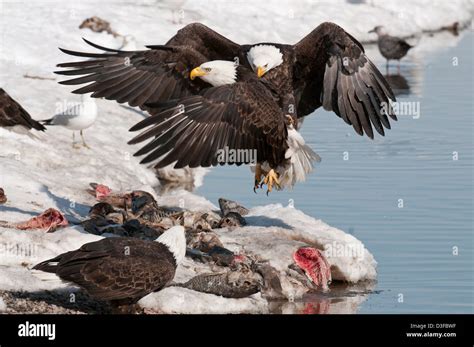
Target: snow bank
182	300
288	21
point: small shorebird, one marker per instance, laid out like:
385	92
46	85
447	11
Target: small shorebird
391	47
76	118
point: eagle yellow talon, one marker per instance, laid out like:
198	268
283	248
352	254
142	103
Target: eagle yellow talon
271	179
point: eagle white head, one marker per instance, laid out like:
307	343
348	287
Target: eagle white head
263	58
175	239
216	72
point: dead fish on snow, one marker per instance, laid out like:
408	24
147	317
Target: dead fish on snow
192	220
145	208
231	213
227	206
230	284
232	220
314	265
51	219
212	218
203	241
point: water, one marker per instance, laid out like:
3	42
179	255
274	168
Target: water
413	165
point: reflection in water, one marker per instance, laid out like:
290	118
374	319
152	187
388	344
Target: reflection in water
343	298
399	84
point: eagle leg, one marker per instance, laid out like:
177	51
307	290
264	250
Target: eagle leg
258	177
271	179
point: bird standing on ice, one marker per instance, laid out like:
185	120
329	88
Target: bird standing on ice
76	118
391	47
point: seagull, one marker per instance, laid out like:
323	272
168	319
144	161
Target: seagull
391	47
76	118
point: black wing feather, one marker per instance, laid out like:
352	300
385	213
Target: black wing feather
106	273
351	86
115	74
12	114
237	116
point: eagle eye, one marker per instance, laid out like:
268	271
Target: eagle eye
207	69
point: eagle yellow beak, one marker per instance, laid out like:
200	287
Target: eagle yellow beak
196	72
260	71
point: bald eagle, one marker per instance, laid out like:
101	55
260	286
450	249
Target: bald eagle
121	270
258	108
238	114
14	117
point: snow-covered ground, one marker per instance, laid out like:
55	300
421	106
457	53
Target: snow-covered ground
39	174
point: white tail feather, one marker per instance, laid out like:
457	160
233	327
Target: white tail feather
301	158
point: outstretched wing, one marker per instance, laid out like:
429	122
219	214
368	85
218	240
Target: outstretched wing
351	85
155	75
12	114
197	130
206	41
135	77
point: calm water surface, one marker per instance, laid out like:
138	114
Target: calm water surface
413	244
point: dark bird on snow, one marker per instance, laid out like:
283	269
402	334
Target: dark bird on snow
15	118
3	197
391	47
121	270
252	105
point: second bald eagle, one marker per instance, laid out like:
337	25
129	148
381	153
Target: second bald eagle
252	105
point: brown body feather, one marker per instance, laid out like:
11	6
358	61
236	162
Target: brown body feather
115	269
12	114
243	115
